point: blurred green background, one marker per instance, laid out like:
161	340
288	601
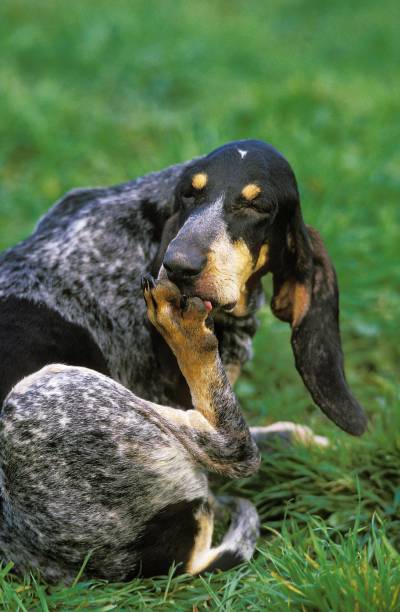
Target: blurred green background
95	93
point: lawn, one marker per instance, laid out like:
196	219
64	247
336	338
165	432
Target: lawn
95	93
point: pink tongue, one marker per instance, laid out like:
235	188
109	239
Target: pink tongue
208	305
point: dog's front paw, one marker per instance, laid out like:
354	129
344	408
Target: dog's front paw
181	320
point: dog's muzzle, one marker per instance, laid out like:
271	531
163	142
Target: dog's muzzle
183	266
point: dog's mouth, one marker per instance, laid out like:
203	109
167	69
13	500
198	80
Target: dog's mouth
211	302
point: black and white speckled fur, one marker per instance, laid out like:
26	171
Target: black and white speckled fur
88	467
78	472
85	260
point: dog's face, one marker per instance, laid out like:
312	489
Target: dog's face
238	218
227	203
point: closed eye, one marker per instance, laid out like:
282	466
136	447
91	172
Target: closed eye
256	205
261	207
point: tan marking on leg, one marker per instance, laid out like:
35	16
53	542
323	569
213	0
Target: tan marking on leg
202	561
185	418
193	343
202	543
200	371
199	181
251	191
201	376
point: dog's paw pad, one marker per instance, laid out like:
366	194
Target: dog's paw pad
195	308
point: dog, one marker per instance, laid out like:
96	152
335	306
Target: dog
114	407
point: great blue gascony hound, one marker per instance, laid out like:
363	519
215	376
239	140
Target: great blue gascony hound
114	407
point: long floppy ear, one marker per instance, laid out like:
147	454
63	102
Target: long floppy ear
306	295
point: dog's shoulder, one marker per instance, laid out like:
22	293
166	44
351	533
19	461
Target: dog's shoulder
33	335
150	195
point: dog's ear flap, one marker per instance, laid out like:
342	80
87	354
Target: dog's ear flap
306	295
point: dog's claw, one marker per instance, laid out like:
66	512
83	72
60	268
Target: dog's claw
147	282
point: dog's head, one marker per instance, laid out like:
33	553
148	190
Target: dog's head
238	217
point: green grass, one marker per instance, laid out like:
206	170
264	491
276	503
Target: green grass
100	92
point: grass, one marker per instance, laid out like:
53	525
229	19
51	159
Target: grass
97	93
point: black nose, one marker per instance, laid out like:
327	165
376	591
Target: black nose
183	266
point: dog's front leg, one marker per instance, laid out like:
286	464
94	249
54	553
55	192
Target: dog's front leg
225	443
215	432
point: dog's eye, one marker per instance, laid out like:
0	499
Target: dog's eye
261	208
266	209
256	205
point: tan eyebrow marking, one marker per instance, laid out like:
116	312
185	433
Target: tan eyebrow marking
199	181
251	191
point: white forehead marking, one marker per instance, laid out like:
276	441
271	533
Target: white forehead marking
242	153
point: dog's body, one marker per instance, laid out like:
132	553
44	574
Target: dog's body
87	465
